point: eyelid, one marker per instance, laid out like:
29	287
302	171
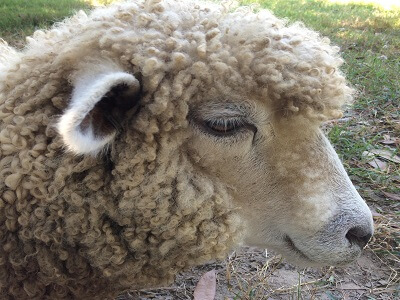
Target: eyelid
224	119
241	124
228	126
221	116
223	113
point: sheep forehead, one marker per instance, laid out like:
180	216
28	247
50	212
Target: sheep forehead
198	25
254	50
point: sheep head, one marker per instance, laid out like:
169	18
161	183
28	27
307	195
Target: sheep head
171	132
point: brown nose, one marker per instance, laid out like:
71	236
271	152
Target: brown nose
358	236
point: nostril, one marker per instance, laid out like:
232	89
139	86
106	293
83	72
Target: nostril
358	236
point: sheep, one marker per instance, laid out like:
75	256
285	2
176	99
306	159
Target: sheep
151	136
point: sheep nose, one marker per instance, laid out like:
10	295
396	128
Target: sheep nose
359	236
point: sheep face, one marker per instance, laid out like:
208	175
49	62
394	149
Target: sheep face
251	104
282	176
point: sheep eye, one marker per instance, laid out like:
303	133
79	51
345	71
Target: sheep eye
223	127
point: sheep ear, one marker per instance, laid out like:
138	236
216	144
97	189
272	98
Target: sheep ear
97	107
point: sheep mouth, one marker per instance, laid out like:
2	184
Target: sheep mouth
292	247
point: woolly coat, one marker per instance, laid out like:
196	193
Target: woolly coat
88	227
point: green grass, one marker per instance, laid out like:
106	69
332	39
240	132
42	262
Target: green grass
19	18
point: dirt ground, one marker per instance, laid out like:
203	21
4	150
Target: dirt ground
252	274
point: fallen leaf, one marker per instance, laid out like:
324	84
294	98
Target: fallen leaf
375	213
388	140
351	286
392	196
206	287
374	162
386	154
367	155
378	164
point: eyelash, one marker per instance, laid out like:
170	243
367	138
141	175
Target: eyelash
224	127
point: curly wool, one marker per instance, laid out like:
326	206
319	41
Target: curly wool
90	227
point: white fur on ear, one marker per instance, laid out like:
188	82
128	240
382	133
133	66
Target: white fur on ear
87	93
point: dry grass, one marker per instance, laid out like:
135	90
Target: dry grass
385	244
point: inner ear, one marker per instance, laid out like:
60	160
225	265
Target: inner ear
98	107
109	113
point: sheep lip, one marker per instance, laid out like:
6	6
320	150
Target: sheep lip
290	244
